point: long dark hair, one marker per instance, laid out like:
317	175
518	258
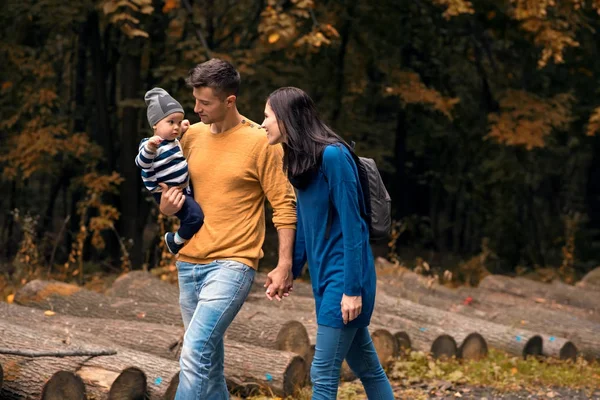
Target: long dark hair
306	135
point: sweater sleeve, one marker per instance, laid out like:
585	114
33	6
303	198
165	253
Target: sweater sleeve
277	188
145	158
339	169
299	247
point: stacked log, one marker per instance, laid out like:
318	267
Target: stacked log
513	340
26	376
65	385
591	280
280	371
557	292
143	286
74	300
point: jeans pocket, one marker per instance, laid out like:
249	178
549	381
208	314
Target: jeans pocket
242	271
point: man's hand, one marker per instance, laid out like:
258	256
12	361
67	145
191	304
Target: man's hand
185	125
171	200
351	307
153	143
279	282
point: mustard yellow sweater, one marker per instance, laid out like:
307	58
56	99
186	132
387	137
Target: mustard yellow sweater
232	173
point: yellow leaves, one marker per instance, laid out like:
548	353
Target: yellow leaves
273	37
526	119
10	298
411	90
170	5
120	13
593	123
455	7
49	313
6	85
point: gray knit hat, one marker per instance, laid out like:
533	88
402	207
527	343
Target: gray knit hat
160	104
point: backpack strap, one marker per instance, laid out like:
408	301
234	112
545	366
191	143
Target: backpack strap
330	212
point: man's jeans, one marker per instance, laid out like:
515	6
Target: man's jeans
356	346
210	296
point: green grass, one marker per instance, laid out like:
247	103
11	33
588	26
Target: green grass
500	371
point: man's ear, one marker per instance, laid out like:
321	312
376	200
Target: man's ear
230	100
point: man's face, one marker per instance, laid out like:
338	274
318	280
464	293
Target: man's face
210	107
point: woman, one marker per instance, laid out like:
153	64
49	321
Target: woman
334	238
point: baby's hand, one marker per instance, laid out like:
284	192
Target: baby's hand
153	143
185	125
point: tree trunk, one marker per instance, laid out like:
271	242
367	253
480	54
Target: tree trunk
581	332
157	339
25	377
143	286
556	292
591	280
80	302
267	331
514	340
133	210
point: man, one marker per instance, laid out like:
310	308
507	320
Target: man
232	170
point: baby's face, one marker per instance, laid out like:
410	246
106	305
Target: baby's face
169	128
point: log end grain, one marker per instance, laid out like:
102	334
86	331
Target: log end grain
64	385
293	337
1	376
474	347
568	351
38	290
295	375
404	343
131	384
385	344
444	346
533	347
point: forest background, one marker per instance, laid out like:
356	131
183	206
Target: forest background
482	116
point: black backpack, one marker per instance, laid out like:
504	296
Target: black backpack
378	202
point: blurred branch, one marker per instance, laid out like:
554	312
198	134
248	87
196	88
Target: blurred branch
189	9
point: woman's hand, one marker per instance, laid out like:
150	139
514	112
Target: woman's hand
171	200
351	307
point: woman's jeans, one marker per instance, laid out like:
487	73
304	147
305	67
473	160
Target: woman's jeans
210	296
356	346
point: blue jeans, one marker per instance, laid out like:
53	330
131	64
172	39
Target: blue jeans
190	216
210	296
356	346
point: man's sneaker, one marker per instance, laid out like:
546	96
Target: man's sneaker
172	246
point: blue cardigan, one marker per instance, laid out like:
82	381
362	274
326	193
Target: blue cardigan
343	262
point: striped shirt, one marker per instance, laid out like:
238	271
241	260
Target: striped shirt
166	165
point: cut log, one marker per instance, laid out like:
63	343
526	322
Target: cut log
417	288
74	300
495	307
474	347
266	331
274	370
129	385
1	377
25	377
444	347
151	338
404	343
591	280
157	339
64	385
510	339
558	292
145	287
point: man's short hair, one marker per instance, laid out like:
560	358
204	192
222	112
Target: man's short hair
216	74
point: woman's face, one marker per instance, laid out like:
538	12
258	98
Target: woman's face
271	126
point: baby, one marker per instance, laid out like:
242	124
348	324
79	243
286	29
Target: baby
161	160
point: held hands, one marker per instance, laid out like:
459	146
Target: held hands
153	143
279	282
185	125
351	307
